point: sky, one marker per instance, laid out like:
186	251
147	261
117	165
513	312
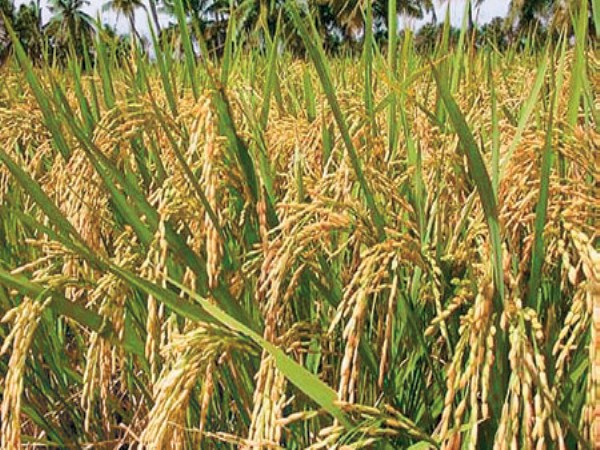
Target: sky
486	12
483	14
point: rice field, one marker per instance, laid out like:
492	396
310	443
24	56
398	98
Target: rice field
386	250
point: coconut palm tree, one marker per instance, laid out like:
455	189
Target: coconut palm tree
26	21
69	20
29	29
524	12
527	13
126	8
350	16
211	16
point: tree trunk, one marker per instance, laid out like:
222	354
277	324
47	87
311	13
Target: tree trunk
38	12
154	14
134	32
4	40
471	22
72	28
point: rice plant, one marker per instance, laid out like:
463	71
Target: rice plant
265	250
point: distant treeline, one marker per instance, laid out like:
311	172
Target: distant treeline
340	23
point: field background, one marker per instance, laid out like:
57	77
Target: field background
392	245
